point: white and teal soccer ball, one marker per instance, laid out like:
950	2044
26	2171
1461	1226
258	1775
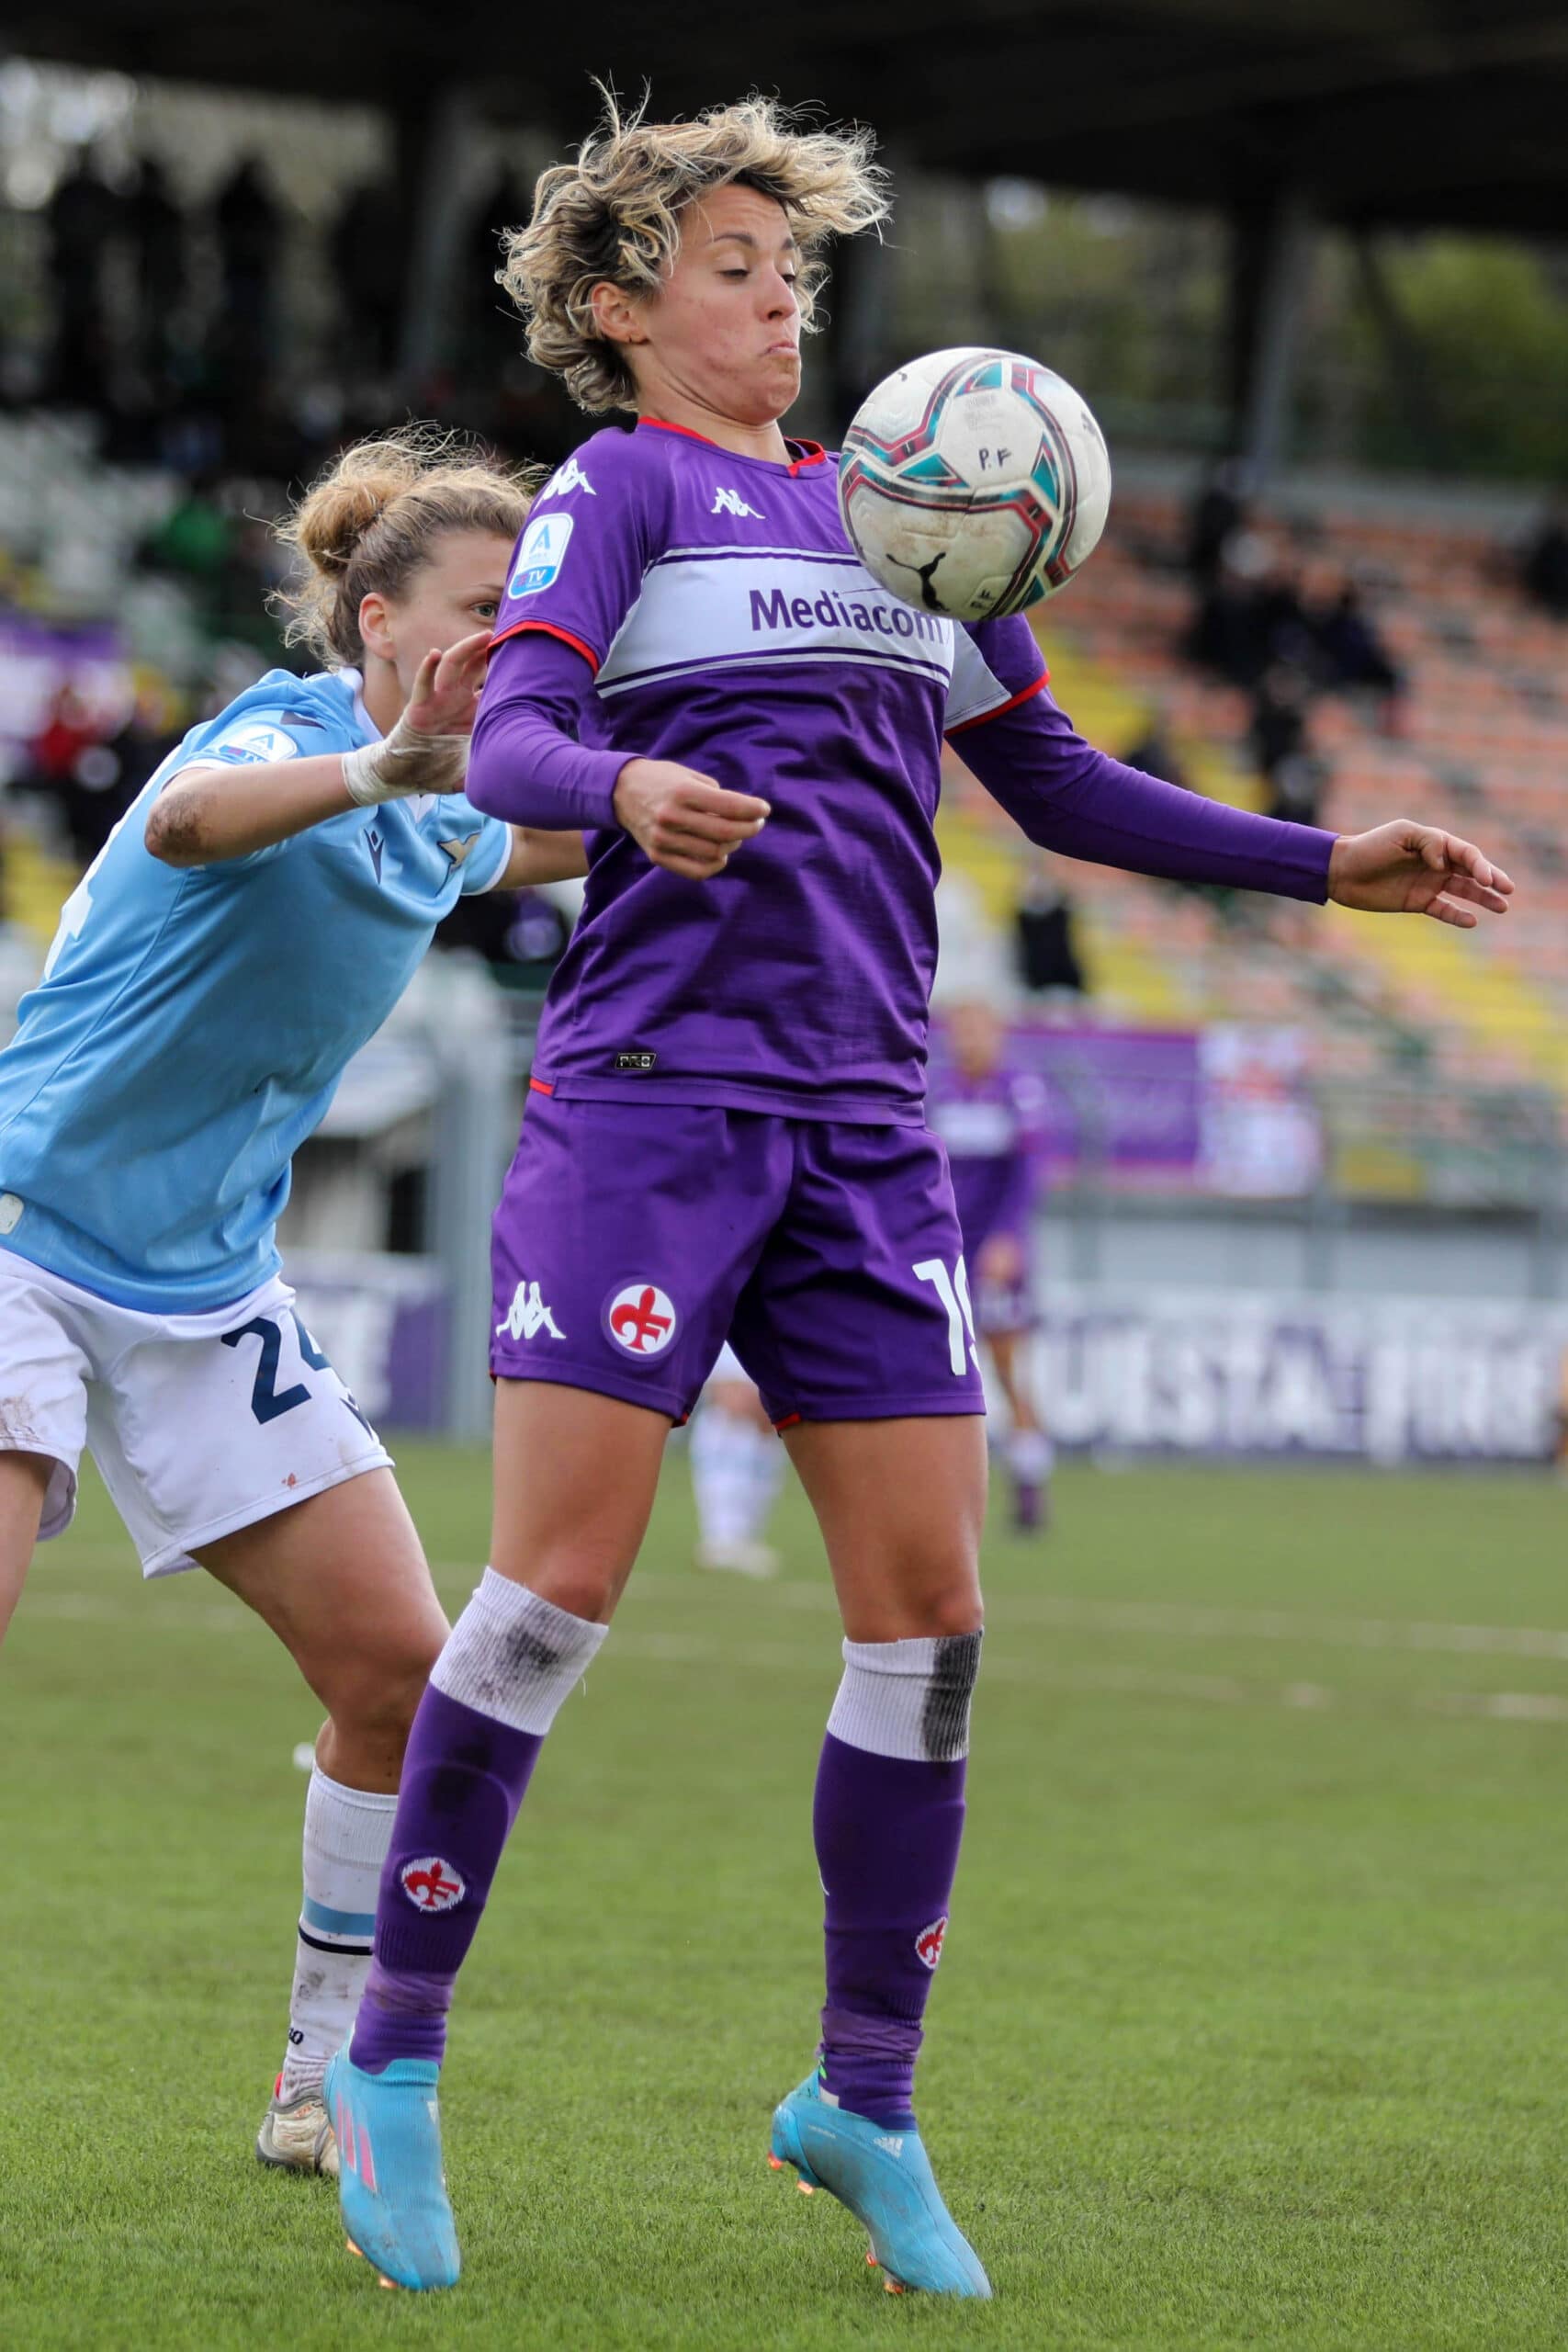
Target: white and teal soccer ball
974	482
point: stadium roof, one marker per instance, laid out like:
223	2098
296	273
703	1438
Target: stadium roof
1416	111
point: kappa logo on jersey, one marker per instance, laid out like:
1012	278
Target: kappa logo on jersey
567	477
528	1315
729	501
541	555
432	1884
258	740
641	1319
930	1942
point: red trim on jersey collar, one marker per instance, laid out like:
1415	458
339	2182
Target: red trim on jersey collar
812	453
549	628
982	716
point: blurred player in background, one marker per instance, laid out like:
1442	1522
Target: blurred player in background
738	1465
726	1133
986	1114
247	926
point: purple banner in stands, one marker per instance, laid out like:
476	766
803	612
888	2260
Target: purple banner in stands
37	660
386	1324
1127	1102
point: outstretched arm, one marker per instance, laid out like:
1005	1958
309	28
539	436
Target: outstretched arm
1081	803
205	814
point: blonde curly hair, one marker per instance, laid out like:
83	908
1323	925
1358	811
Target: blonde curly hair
615	215
372	520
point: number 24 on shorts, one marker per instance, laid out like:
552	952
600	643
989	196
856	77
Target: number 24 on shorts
953	1290
267	1401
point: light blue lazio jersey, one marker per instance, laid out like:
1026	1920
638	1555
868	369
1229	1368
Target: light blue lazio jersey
193	1023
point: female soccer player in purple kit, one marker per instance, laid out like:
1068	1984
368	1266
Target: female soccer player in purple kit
988	1115
726	1131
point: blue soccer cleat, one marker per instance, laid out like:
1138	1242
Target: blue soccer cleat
883	2176
391	2189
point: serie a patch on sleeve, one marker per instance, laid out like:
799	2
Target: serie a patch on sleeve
254	741
540	554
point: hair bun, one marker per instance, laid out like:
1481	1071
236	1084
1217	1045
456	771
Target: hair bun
335	516
418	483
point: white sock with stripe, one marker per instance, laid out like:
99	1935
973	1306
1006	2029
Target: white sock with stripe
347	1832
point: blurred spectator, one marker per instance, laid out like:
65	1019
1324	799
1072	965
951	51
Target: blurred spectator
248	227
55	757
493	335
1281	744
82	218
61	740
1225	635
157	231
1218	511
193	537
1043	931
1251	615
366	248
1352	654
1545	562
1155	751
107	776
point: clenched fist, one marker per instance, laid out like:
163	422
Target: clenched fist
684	821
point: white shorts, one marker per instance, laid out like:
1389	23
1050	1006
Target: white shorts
200	1423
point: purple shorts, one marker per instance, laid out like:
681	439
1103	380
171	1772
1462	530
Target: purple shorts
631	1240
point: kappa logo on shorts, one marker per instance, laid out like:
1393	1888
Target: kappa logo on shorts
930	1942
432	1884
641	1319
528	1315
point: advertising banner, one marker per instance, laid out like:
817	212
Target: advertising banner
1283	1378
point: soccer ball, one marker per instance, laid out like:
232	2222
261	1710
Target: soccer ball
974	482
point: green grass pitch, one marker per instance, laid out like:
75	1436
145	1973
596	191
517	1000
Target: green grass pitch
1251	2030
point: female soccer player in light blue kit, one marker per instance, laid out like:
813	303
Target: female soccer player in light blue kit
250	924
727	1130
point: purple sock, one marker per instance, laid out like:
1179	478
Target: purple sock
508	1665
464	1778
887	1831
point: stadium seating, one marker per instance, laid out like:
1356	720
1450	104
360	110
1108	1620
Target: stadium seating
1412	1027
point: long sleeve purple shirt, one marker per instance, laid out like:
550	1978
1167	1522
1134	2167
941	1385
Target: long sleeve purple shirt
671	600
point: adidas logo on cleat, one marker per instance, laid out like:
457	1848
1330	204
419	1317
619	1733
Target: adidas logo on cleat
893	2144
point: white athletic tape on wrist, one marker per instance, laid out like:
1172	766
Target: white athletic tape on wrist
404	762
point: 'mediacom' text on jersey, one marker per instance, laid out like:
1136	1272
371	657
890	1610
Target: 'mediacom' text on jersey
728	625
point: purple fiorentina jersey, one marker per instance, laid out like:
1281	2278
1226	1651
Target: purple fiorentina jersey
990	1127
728	625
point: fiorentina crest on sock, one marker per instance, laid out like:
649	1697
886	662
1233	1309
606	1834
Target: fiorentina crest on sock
432	1884
930	1942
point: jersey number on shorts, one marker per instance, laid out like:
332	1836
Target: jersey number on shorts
266	1401
953	1289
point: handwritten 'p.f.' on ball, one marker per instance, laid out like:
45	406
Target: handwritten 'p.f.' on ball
974	482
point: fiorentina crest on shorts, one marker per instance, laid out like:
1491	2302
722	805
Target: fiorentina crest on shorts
641	1318
432	1884
930	1942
